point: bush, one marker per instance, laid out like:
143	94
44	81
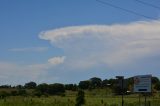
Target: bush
37	93
14	93
80	98
3	94
22	92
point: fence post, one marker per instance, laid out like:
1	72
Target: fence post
139	100
149	103
145	100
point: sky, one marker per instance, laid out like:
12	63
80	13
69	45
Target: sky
66	41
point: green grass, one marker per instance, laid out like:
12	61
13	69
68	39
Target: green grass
97	97
70	101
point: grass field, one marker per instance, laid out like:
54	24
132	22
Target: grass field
97	99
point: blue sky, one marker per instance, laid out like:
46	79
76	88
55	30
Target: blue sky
71	40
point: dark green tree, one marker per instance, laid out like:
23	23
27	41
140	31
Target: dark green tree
112	81
75	87
5	86
155	80
56	89
19	87
105	83
43	88
95	82
30	85
84	84
72	87
157	86
69	86
129	83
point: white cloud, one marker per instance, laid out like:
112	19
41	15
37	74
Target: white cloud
29	49
113	45
90	47
20	73
56	60
15	73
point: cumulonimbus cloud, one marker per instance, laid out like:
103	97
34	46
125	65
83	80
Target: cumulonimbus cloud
113	45
91	46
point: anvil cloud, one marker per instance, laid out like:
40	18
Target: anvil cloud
113	45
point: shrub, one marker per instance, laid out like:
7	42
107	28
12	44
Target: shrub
22	92
3	94
14	93
80	98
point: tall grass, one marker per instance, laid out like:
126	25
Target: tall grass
70	101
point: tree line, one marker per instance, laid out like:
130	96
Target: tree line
34	89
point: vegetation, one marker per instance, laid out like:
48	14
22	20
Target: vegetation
91	99
95	92
80	98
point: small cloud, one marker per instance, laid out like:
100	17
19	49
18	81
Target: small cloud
15	73
56	60
29	49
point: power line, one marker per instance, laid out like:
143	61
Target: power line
148	4
123	9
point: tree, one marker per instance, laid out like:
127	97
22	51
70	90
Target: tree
157	86
130	83
112	81
105	83
75	87
19	87
80	98
72	87
43	88
56	89
5	86
155	80
69	86
95	82
30	85
84	84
